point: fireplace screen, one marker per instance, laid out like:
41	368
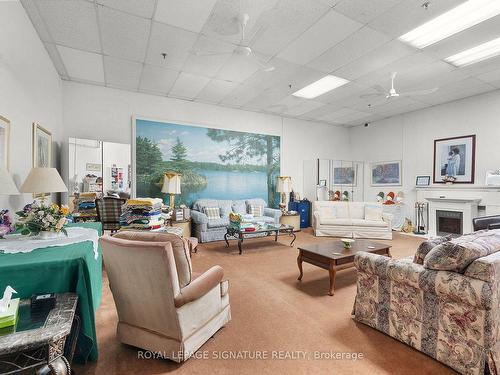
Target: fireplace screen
449	222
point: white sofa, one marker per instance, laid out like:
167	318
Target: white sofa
351	219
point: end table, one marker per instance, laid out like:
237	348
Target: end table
292	220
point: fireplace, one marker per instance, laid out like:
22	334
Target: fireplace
449	222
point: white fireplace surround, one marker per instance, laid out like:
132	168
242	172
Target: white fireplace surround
468	208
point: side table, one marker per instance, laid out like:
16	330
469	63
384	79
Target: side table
185	225
44	343
292	220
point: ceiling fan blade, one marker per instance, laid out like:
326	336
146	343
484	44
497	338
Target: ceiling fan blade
210	53
377	95
264	66
419	92
380	89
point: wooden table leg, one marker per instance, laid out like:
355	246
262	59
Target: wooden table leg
299	263
333	273
389	253
240	241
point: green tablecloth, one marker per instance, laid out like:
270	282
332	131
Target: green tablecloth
69	268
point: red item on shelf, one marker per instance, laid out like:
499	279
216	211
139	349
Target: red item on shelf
249	229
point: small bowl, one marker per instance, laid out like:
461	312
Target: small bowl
347	242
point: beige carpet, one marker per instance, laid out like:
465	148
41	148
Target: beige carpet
276	315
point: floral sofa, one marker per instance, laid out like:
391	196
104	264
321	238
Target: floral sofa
445	302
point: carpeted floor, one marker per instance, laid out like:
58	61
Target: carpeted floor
277	316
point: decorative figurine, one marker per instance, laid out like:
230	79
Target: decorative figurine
380	197
390	198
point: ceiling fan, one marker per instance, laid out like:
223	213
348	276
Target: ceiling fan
241	48
392	93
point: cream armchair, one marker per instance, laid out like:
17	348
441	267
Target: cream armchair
162	306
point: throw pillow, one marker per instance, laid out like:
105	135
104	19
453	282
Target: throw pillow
426	246
212	212
239	208
255	210
373	212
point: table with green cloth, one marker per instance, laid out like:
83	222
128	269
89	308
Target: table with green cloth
59	269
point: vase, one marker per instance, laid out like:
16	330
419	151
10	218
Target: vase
47	235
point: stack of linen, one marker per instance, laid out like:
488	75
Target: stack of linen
141	214
86	205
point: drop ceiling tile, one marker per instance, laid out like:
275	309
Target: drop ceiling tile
285	23
141	8
321	112
36	19
342	112
304	107
364	11
269	97
353	47
240	95
56	59
187	14
374	60
457	90
304	76
356	116
478	34
82	65
122	73
328	31
207	56
409	14
280	76
489	77
238	68
71	23
482	67
175	42
157	79
123	35
342	92
188	86
216	90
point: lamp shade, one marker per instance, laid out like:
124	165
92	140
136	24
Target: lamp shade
43	180
7	186
284	184
171	183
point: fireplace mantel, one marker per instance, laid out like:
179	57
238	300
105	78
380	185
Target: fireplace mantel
467	206
453	200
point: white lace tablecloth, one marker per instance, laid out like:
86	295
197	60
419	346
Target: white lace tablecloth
17	243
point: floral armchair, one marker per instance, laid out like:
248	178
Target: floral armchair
451	316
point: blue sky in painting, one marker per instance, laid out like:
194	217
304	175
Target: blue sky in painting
199	146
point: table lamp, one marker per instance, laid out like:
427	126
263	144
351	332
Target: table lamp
43	181
284	186
171	186
7	186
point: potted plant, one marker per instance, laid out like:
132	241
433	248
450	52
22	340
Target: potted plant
46	222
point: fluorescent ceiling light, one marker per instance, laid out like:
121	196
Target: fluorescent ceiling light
447	24
325	84
473	55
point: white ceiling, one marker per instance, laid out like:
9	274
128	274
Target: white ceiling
119	43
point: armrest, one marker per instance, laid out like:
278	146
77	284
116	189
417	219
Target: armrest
387	217
199	286
199	217
315	219
272	212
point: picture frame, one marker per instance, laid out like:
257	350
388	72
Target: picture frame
178	214
42	147
386	173
322	183
345	175
4	141
455	157
423	181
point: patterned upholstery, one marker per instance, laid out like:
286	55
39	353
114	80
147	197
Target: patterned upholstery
451	317
212	212
109	210
255	210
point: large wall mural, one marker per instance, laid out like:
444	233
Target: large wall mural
214	163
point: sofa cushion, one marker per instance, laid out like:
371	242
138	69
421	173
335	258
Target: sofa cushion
456	255
219	222
357	210
342	209
334	221
212	212
486	268
329	212
256	201
373	212
225	208
255	210
369	223
200	204
239	207
426	246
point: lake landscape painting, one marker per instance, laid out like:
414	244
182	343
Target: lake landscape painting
214	163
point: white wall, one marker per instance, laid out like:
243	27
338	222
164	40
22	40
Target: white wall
104	113
410	138
30	91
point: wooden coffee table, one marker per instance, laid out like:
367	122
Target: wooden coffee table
332	256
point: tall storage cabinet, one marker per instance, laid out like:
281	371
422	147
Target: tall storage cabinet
304	209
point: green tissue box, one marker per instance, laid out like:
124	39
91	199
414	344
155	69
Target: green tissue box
9	317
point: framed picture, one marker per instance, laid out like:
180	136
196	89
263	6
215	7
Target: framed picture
386	173
322	183
423	181
4	141
344	176
93	167
455	157
42	147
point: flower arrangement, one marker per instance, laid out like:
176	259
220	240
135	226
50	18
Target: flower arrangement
35	218
5	223
449	179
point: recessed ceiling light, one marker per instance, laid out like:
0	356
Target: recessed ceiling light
320	87
476	54
455	20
